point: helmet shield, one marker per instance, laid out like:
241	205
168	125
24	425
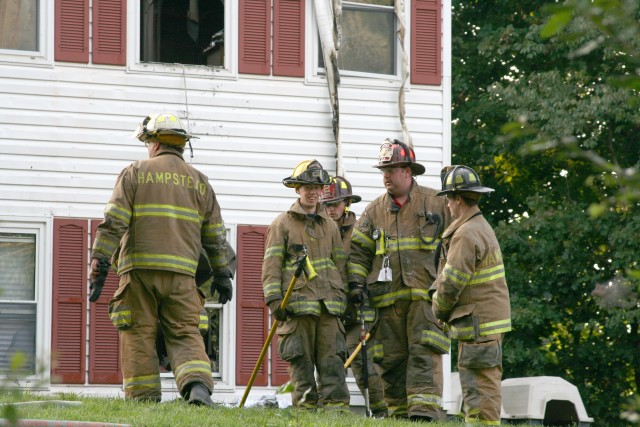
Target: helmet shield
462	179
308	172
339	189
395	153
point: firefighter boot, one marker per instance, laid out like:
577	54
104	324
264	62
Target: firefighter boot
199	395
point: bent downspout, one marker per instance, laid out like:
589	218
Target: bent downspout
328	16
399	11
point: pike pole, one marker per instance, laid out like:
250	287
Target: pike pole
301	263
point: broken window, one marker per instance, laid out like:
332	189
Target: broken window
182	31
368	37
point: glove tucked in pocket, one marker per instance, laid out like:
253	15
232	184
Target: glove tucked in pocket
119	310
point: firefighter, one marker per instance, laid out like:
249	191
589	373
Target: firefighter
161	213
310	334
337	198
471	296
391	260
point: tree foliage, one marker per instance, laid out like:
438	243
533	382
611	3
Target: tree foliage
545	107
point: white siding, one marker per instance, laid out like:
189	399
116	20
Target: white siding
66	133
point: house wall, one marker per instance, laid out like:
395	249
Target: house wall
65	132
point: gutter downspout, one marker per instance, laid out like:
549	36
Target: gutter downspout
329	16
399	11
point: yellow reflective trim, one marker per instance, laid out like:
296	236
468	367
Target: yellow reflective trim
424	399
363	241
167	211
192	366
118	212
456	276
142	382
357	269
410	244
487	275
437	339
274	251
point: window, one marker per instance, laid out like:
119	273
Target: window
182	31
23	31
19	25
368	37
23	306
17	301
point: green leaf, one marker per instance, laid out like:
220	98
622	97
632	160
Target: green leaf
556	23
597	209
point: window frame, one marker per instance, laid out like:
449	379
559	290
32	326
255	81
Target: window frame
45	28
229	70
43	230
348	78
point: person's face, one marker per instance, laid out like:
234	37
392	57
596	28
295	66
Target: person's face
454	203
397	180
335	209
309	196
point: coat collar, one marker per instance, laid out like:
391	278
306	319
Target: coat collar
473	211
321	211
166	150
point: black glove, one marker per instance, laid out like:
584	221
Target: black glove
222	283
280	314
99	271
357	293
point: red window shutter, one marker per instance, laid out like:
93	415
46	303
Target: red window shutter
254	37
252	312
69	300
72	31
426	40
109	32
104	341
288	38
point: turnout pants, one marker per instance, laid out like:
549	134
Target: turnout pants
480	367
144	298
411	371
311	343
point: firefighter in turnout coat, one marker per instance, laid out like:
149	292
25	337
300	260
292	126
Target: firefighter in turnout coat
161	213
391	259
471	296
337	197
310	333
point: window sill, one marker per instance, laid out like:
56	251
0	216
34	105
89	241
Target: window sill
36	59
190	70
360	81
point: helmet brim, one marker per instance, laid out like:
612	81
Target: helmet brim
353	197
293	182
416	168
481	190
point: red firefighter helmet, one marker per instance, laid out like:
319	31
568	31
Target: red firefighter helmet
395	153
339	189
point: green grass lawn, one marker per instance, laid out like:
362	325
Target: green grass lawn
176	413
